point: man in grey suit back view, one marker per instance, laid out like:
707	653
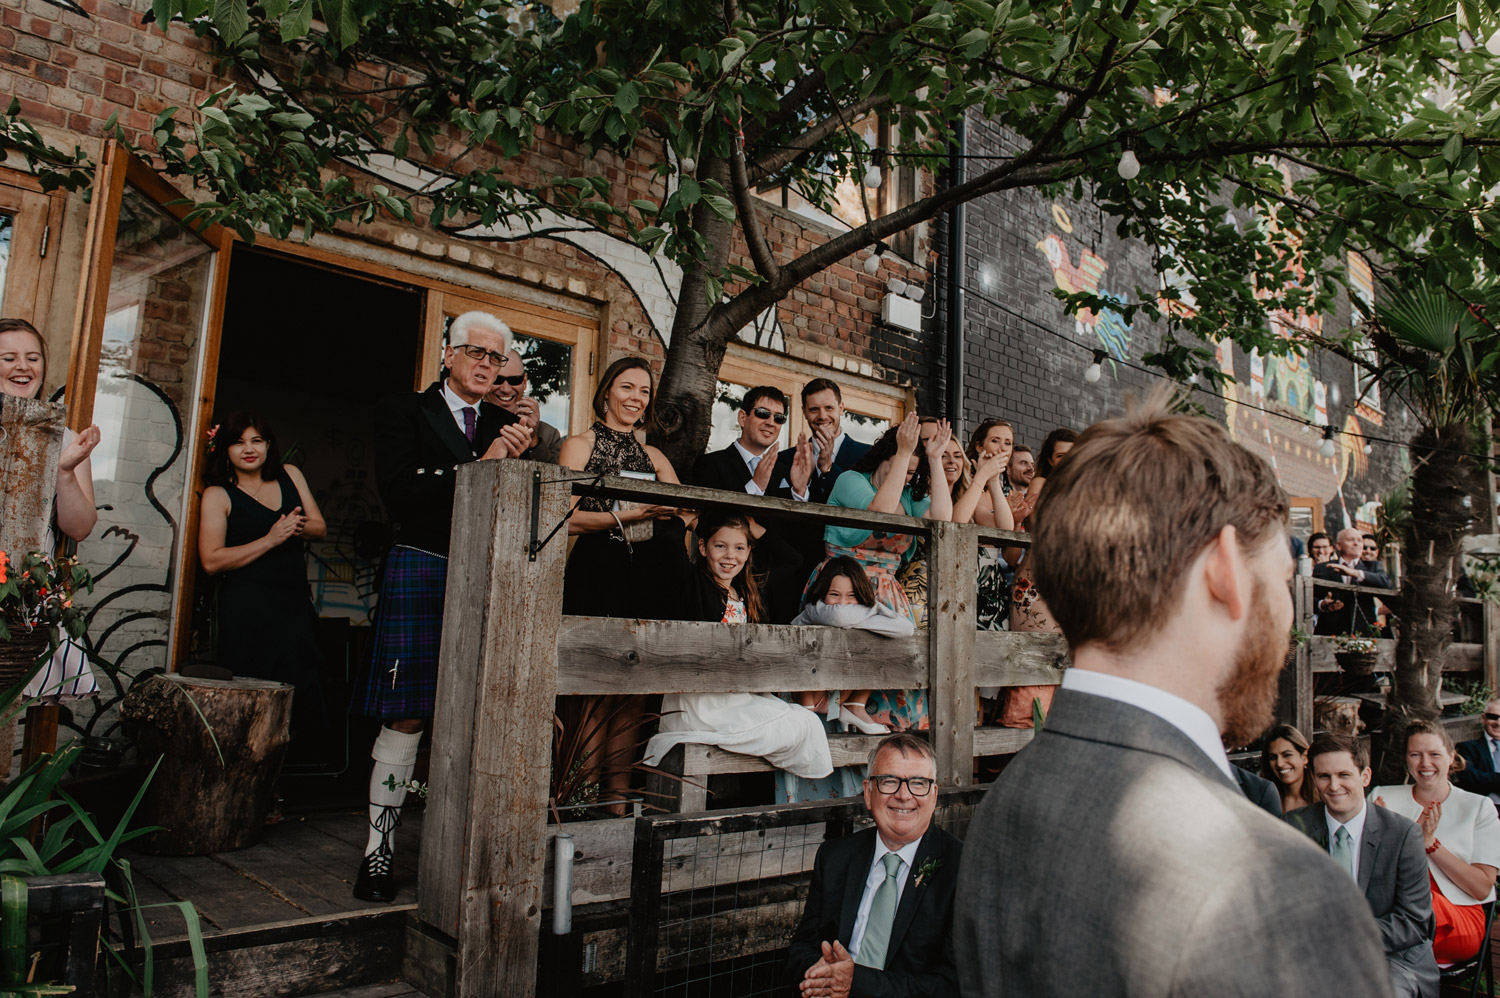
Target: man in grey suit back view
1116	855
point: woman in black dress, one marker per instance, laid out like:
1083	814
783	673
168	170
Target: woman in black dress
256	514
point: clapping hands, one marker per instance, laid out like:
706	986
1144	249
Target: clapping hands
938	441
832	976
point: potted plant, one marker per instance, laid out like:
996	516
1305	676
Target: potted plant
1356	655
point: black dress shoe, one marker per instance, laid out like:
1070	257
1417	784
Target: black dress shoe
375	882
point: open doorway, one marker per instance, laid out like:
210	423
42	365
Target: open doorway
312	351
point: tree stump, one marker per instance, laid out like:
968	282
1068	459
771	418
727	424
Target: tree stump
205	806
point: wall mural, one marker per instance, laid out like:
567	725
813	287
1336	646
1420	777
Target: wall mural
1106	325
654	281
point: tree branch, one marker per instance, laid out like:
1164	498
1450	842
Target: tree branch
767	165
744	202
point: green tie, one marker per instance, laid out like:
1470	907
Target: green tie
1341	852
882	913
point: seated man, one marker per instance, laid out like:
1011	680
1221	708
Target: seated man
1382	851
1481	772
879	916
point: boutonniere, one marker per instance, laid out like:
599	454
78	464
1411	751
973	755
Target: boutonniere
925	869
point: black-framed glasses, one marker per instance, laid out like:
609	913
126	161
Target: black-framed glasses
479	353
1490	717
920	786
513	380
777	417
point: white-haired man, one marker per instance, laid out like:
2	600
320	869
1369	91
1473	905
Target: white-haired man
422	439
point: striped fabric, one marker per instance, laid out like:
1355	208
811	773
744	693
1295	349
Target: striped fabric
66	676
402	681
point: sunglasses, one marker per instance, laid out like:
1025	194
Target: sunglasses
510	379
1490	717
777	417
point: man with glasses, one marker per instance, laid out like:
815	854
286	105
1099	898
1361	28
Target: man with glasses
420	440
1481	772
746	464
879	915
510	395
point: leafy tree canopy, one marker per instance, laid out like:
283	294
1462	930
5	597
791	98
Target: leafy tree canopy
1272	135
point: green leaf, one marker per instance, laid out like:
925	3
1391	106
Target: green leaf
689	191
299	120
161	10
297	21
231	18
720	206
628	98
1453	147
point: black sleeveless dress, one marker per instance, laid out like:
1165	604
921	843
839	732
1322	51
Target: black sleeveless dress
606	577
265	611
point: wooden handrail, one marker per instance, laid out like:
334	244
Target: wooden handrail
699	498
1372	590
609	655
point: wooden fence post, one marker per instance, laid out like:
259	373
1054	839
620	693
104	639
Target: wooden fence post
31	433
1295	692
484	842
952	595
1491	646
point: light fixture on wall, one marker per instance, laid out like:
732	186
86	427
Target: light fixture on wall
1095	371
1327	448
916	291
896	286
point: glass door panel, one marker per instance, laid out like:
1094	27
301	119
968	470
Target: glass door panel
149	330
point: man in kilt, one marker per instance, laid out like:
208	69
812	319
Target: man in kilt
421	439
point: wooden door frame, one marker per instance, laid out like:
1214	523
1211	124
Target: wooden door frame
38	223
117	167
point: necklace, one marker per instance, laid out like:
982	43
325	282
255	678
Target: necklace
255	493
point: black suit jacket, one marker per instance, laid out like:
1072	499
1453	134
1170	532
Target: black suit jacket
1393	876
418	450
821	484
1478	775
722	469
1358	614
1260	791
920	959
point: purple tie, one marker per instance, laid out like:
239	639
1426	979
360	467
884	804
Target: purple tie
469	423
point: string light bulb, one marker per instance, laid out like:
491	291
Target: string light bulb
1094	371
872	262
1129	167
689	164
1327	448
1493	45
1368	449
872	177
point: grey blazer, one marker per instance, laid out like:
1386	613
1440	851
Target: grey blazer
1112	857
1393	875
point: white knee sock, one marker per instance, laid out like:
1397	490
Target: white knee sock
395	756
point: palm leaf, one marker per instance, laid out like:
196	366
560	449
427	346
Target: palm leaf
1423	318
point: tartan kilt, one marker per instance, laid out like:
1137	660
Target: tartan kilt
408	629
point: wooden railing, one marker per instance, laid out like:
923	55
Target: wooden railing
508	652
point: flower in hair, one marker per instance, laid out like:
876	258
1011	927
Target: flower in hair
213	431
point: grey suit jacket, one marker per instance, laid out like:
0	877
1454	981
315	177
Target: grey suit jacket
1393	875
1112	857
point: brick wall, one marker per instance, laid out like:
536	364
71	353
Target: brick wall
1025	357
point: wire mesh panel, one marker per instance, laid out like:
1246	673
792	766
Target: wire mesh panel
715	898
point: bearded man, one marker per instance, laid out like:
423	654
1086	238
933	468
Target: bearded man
1116	854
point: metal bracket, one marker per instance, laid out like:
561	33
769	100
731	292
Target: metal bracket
535	546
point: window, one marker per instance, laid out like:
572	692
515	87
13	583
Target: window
558	349
29	227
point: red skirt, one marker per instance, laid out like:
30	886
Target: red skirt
1460	928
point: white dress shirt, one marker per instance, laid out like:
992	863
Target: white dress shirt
1356	829
1186	717
752	461
874	879
1494	748
456	406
